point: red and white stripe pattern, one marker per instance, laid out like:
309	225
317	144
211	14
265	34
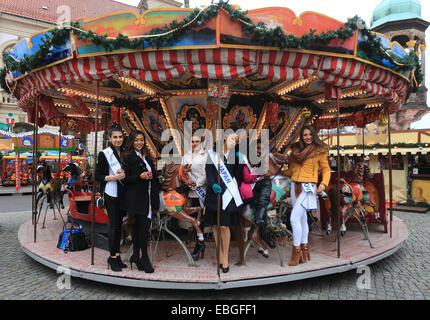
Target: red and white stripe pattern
341	72
219	63
287	66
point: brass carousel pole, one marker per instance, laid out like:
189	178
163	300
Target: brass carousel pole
390	173
220	137
94	176
34	170
338	169
59	150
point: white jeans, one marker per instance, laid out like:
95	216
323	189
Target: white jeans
299	219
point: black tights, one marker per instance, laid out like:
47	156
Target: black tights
140	235
115	224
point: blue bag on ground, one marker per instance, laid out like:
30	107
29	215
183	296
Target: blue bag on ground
64	238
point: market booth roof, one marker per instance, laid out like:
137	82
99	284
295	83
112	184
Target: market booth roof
270	53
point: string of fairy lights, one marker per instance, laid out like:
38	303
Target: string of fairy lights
280	91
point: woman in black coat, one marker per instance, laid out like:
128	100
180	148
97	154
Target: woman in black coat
230	216
141	196
111	187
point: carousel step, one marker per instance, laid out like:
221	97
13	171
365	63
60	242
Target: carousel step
409	209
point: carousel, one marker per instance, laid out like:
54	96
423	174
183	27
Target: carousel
218	67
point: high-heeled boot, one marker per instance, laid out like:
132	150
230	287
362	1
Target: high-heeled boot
113	264
147	266
199	249
306	252
137	261
259	215
120	263
296	256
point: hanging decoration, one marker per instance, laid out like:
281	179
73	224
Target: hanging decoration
115	115
359	120
78	104
47	106
272	109
219	92
212	110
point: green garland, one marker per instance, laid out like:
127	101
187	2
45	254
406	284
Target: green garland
262	36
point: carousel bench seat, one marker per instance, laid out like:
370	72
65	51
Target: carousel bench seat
82	198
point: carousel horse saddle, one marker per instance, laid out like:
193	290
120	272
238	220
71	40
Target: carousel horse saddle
45	186
353	192
357	191
276	196
173	201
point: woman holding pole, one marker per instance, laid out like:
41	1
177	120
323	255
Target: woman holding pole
307	157
230	171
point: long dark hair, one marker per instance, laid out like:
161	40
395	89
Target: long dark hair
301	145
129	148
115	128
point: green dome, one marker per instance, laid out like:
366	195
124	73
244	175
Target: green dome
393	10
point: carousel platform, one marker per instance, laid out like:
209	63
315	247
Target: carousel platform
172	270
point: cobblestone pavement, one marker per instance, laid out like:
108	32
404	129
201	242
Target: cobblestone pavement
404	275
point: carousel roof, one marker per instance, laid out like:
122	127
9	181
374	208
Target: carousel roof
267	54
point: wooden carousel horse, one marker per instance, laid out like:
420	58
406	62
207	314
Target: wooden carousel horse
354	197
277	209
173	202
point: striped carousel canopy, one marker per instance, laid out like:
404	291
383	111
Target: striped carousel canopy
268	51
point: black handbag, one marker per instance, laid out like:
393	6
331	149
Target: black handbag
76	242
72	239
100	202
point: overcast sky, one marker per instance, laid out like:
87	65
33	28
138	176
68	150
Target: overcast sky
338	9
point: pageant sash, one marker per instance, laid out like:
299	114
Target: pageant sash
112	160
310	200
201	192
232	191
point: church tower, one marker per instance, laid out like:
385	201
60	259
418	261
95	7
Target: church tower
401	21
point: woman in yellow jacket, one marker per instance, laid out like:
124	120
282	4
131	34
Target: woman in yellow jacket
307	157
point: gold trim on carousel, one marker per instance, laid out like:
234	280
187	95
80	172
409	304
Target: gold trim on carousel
282	142
295	85
137	126
196	92
262	121
85	94
345	95
170	123
69	106
335	115
139	85
373	105
76	115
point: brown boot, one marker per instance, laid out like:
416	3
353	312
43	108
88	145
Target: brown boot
306	252
296	256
